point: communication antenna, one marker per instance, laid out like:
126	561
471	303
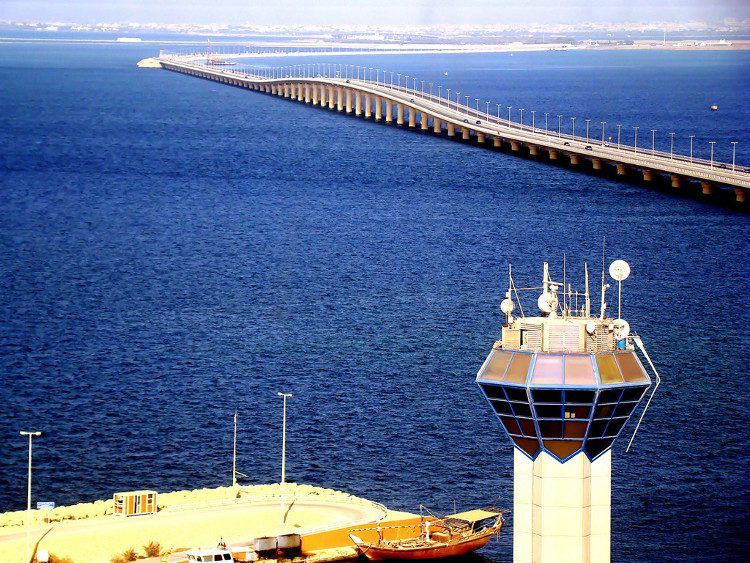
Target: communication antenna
604	285
507	305
588	299
619	270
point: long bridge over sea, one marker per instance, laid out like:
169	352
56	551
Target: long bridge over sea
341	91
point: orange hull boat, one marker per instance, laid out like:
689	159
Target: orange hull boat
455	535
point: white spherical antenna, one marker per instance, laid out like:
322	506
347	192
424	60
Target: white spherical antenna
507	306
591	328
622	329
545	302
619	270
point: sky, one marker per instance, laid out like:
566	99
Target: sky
358	12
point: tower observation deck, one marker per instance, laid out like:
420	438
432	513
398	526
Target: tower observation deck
563	385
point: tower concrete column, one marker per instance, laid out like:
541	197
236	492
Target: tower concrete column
368	106
561	511
357	103
596	163
400	114
379	109
412	117
437	125
288	90
451	129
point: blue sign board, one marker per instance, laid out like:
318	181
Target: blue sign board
45	505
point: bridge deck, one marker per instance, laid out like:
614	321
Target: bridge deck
484	126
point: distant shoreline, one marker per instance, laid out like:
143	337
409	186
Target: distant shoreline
413	48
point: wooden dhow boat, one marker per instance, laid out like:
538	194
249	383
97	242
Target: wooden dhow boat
453	535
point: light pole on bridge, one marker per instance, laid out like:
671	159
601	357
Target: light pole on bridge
603	124
487	109
573	119
619	127
476	100
653	141
457	95
440	94
406	81
635	140
671	146
449	97
546	123
422	81
587	131
691	148
509	108
533	120
521	111
467	102
498	111
712	143
734	151
414	89
559	125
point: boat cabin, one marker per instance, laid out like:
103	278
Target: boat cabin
205	555
472	521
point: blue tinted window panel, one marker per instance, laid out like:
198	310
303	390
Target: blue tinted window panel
562	449
615	426
547	395
550	428
517	394
610	395
521	409
633	393
575	396
510	425
493	391
575	429
624	409
501	407
548	411
527	426
594	448
528	445
598	427
494	368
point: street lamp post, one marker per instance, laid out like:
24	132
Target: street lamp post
734	152
449	97
284	396
440	94
533	120
635	140
521	112
509	107
691	148
712	143
619	127
476	100
30	434
653	141
546	123
559	125
587	130
603	124
487	110
574	127
671	146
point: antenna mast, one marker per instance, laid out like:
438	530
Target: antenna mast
604	285
588	299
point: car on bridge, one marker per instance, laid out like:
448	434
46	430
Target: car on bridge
588	148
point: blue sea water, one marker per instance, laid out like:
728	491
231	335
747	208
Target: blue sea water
172	249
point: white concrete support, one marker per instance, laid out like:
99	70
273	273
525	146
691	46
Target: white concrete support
561	511
357	103
412	117
340	99
348	100
400	114
300	92
368	106
465	133
307	93
379	109
437	126
451	129
388	111
424	121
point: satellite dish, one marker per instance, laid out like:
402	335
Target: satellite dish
546	302
591	328
507	306
619	270
622	329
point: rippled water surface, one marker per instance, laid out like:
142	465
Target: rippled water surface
172	249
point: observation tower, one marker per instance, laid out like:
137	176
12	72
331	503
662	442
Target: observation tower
564	384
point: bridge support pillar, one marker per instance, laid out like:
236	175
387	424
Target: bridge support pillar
465	133
515	146
314	94
648	175
331	97
412	117
497	142
596	163
288	90
451	129
348	100
533	150
574	159
357	104
300	92
368	106
480	137
307	93
740	194
622	169
379	109
323	92
388	111
437	126
339	99
707	187
424	121
400	114
676	182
